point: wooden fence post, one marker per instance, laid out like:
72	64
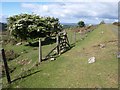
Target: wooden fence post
6	66
74	36
57	38
40	51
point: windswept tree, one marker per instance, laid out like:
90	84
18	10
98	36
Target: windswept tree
81	24
26	26
102	22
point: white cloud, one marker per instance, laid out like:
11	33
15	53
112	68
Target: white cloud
45	8
73	12
3	18
59	0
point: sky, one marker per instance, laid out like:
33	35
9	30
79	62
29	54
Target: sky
67	12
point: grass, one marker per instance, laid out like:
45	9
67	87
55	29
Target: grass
71	69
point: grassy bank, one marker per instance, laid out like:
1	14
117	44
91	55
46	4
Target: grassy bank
71	69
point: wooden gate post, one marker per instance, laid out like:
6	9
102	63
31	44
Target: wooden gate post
6	66
40	51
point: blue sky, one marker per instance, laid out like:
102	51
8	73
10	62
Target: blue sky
67	12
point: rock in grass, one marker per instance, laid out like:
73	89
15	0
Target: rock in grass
91	60
55	51
52	59
102	32
22	52
118	55
20	43
102	45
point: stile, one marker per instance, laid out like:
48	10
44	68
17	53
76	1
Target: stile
62	43
40	51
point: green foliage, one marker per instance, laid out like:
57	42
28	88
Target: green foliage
116	23
81	24
27	27
102	22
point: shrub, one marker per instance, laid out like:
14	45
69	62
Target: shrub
27	27
81	24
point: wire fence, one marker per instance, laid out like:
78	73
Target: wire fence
77	34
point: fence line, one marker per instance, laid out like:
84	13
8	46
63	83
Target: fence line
40	51
6	66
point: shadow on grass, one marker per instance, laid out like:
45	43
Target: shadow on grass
26	75
47	41
57	55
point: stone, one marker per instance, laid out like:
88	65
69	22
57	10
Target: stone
55	51
102	45
20	43
22	52
91	60
52	59
102	32
118	55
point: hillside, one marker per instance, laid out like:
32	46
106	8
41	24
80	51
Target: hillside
71	69
3	26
